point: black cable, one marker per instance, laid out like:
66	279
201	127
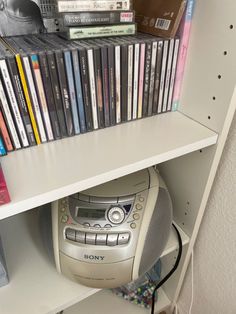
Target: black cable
171	271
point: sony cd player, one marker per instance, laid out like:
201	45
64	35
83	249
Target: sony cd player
111	234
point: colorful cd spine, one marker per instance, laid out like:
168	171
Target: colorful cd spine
5	134
3	150
4	194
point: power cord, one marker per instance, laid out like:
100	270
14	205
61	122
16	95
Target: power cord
171	271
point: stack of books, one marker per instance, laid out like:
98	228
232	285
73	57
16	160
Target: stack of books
52	88
96	18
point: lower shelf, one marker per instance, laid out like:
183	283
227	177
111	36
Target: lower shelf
105	302
35	286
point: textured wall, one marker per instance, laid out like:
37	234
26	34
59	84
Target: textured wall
215	249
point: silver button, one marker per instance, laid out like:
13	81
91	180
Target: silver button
133	225
116	215
96	226
86	224
70	234
90	238
107	226
80	237
101	239
112	239
138	206
123	238
141	199
136	216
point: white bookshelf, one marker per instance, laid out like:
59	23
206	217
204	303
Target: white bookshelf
35	285
42	174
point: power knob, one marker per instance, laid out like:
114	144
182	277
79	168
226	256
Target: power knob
116	215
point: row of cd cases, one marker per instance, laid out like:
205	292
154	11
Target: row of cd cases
51	88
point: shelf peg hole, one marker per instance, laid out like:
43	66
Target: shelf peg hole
209	117
225	53
231	26
219	76
188	202
214	98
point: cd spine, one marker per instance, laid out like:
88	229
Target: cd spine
141	79
130	81
92	87
41	95
3	150
56	92
111	75
98	78
49	95
8	117
71	85
5	134
124	82
146	78
92	5
118	83
20	99
157	76
13	103
105	85
78	87
64	92
135	81
97	18
163	74
152	77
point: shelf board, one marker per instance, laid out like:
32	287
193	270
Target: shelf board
34	280
105	302
47	172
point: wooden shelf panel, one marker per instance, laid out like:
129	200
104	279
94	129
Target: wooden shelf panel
42	174
35	286
105	302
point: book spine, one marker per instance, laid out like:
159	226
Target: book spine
71	85
184	34
130	81
96	18
135	81
4	194
79	94
85	86
118	84
152	77
34	99
112	87
146	78
57	93
13	103
105	85
163	75
98	78
3	150
173	71
8	117
27	98
16	82
92	5
92	88
157	76
49	95
41	95
61	70
5	134
168	74
124	82
141	79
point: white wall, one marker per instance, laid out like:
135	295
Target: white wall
215	249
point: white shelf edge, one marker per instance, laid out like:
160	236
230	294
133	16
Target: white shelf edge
105	302
25	170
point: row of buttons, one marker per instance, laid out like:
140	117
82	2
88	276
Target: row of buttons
97	238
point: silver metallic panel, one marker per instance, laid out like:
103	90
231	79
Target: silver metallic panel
101	239
70	234
90	238
112	239
123	238
80	237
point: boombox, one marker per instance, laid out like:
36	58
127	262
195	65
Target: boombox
113	233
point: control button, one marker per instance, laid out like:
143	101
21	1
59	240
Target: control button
80	237
116	215
70	234
83	197
133	225
123	238
64	218
103	200
127	208
107	226
90	238
112	239
138	206
141	199
86	224
136	216
96	226
101	239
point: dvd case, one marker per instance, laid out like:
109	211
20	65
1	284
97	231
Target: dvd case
93	5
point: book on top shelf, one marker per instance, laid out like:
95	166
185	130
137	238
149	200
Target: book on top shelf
4	194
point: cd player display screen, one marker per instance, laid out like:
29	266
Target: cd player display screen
92	213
